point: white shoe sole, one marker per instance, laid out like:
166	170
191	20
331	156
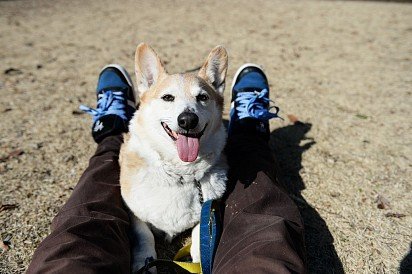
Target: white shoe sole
240	70
128	79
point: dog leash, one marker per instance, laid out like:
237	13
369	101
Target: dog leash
210	229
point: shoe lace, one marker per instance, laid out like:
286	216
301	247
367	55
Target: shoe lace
108	102
254	104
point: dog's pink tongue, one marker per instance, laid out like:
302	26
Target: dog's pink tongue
187	147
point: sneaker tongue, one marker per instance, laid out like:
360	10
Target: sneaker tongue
187	147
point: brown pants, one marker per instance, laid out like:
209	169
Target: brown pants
262	227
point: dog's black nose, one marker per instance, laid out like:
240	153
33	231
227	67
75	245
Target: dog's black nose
187	120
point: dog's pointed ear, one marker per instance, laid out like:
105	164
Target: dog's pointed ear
148	67
215	68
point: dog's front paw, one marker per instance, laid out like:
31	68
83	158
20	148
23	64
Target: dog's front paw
195	247
143	245
195	253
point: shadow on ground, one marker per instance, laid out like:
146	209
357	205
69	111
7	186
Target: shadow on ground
406	263
287	150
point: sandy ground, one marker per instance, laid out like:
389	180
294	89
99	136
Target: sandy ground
343	68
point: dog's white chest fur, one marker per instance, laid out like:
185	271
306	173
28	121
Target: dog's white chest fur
172	203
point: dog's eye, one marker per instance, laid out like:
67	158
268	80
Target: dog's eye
168	98
202	97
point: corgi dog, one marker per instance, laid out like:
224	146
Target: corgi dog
171	159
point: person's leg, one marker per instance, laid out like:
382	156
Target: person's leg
262	227
90	232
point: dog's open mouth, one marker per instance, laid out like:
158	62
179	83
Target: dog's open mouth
187	143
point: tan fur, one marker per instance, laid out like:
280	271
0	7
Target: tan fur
139	51
188	79
203	77
216	96
216	61
129	161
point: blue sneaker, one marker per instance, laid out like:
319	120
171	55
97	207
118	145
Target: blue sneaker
116	103
250	107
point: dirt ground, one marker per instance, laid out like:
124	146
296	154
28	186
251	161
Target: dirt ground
343	68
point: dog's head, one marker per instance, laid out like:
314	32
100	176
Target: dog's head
180	114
